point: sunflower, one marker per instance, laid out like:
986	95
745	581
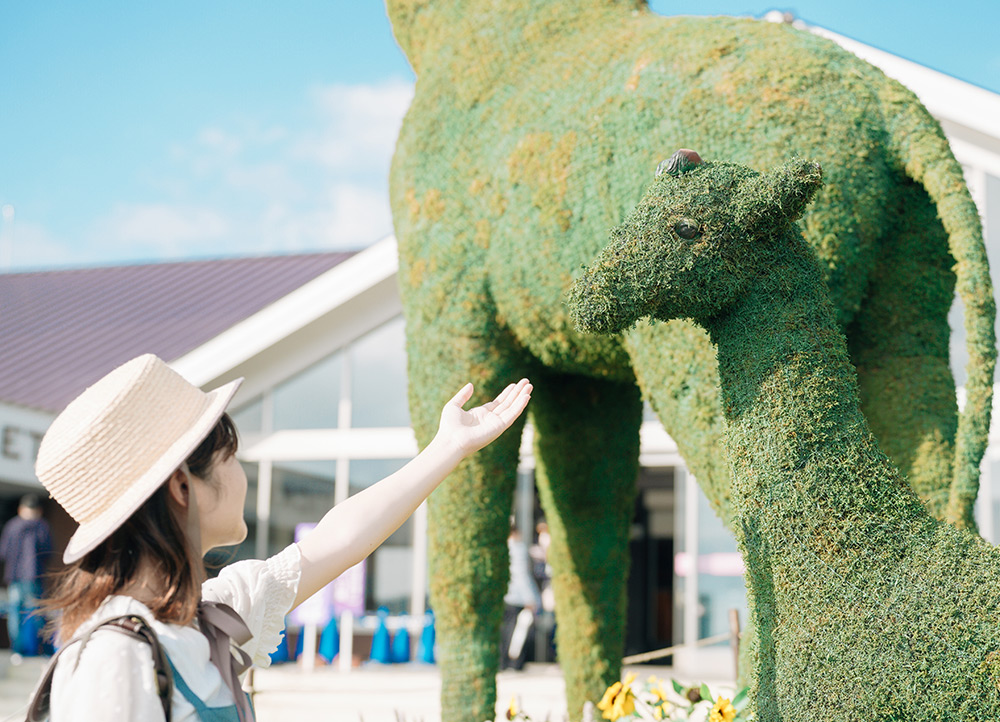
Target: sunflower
723	711
512	708
659	702
618	700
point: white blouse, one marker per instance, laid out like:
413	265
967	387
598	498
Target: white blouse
113	679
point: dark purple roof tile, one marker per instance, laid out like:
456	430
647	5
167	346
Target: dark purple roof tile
62	330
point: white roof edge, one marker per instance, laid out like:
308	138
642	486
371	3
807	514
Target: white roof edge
305	304
945	96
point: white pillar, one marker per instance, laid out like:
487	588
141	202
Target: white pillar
309	647
691	602
346	655
524	502
264	475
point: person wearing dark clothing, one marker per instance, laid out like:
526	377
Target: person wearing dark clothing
24	545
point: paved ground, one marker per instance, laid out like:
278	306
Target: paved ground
392	693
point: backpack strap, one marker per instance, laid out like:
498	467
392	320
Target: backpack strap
131	626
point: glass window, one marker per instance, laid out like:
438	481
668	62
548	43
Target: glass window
378	377
990	494
310	399
301	491
718	568
992	215
720	573
389	574
249	417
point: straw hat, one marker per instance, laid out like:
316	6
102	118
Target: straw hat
119	440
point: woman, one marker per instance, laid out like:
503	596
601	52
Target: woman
145	462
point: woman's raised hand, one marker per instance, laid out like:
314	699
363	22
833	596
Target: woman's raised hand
471	430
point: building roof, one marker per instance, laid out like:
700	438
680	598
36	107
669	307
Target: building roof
63	330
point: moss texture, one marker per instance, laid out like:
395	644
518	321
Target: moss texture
534	128
866	607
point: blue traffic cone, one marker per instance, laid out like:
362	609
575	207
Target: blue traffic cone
30	633
380	642
425	650
401	646
329	641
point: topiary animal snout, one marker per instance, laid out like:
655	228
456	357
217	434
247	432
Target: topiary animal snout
668	258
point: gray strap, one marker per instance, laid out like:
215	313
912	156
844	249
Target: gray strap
132	626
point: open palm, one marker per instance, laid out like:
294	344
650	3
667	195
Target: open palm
471	430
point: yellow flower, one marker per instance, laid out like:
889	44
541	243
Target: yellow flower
723	711
660	704
656	687
618	701
512	708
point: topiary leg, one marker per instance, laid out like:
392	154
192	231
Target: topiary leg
899	345
587	448
469	512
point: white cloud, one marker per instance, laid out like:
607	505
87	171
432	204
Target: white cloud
28	245
247	187
360	215
362	122
164	229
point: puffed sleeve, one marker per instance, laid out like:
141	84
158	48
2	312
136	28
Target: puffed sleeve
114	680
262	593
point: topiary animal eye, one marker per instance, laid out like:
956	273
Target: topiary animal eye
687	229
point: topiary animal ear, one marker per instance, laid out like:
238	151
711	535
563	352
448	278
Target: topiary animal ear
681	161
770	201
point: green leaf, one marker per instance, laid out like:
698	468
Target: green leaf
706	693
740	697
678	687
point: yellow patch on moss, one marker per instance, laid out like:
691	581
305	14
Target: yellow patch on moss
542	163
417	272
476	186
498	204
482	235
633	80
412	205
433	204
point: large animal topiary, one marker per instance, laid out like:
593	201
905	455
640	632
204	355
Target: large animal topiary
532	131
866	606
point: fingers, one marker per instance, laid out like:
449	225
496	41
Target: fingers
513	396
514	401
501	397
462	397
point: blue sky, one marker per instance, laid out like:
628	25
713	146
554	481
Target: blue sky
135	132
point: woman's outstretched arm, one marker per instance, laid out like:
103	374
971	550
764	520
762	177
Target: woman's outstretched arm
353	529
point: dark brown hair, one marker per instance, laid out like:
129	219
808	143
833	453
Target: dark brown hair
153	537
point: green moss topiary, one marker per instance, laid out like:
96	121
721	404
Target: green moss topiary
534	128
866	607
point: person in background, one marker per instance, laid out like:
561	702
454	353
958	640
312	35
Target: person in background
25	543
520	603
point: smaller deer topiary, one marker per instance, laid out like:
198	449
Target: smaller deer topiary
866	607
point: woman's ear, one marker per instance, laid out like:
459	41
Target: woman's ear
179	487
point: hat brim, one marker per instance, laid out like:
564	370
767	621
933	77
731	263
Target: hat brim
91	533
